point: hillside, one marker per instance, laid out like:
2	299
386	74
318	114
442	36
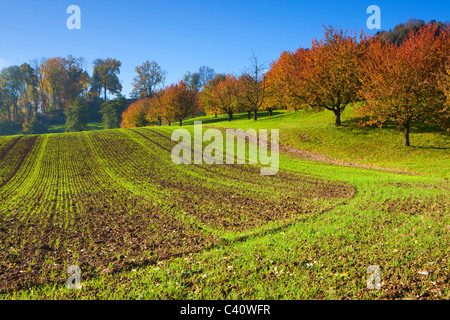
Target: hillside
138	226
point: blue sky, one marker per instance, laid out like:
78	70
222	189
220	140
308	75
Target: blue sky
184	35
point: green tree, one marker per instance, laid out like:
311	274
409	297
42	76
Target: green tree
77	116
402	30
193	80
149	77
11	80
105	77
31	92
76	79
34	126
207	74
112	112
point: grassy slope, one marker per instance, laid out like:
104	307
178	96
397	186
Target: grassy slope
60	128
382	147
399	222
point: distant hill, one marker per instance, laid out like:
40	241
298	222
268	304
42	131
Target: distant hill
402	30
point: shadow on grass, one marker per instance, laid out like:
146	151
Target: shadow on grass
429	148
238	116
416	127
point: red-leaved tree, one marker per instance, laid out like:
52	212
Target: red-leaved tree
401	82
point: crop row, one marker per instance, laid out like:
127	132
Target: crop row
72	212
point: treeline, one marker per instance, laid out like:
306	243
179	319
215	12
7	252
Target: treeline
387	81
402	82
200	93
35	95
402	30
401	76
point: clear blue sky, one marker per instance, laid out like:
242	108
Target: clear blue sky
184	35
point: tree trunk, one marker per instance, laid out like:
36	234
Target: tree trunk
160	122
181	122
249	115
15	113
230	116
255	115
270	112
215	115
407	130
105	92
9	113
337	113
169	122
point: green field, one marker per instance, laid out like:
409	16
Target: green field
60	128
139	227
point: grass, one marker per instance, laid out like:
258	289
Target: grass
60	128
399	222
383	147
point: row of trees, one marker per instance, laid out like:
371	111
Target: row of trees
32	91
203	91
175	103
401	81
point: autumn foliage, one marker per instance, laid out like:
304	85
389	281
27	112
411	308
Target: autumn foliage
401	83
325	77
175	103
136	115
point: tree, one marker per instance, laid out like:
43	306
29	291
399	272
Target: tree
149	77
77	116
11	80
53	81
8	128
329	79
34	126
76	79
31	91
181	101
206	74
198	80
136	115
402	31
157	108
63	80
443	117
43	103
401	83
225	96
283	81
105	76
193	80
4	107
112	111
208	100
253	87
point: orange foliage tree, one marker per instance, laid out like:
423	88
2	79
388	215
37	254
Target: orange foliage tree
401	82
325	77
444	115
136	114
329	78
181	101
284	88
156	108
207	99
226	96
